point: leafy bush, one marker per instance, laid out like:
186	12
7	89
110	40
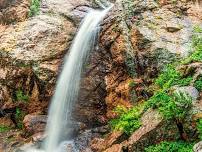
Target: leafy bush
168	77
128	120
198	84
19	116
34	8
197	29
199	128
196	56
21	96
178	146
132	84
184	81
4	128
171	106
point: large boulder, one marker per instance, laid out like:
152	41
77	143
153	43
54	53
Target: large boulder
13	10
35	123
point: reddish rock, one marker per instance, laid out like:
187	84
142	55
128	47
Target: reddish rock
99	144
38	137
115	148
13	11
7	122
34	123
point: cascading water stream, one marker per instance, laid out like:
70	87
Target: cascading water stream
68	83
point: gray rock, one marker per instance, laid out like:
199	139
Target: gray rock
198	147
189	90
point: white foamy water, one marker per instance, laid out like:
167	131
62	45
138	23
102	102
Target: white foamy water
68	83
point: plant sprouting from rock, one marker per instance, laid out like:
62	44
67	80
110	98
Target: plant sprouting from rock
21	96
4	128
178	146
128	120
34	8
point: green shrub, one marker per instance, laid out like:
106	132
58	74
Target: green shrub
21	96
128	120
178	146
199	128
196	56
183	81
171	106
19	116
198	84
4	128
132	84
168	77
34	8
197	29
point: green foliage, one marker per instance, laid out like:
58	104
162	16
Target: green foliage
171	106
198	84
178	146
132	84
128	120
4	128
19	116
197	29
168	77
196	56
183	81
199	128
34	8
21	96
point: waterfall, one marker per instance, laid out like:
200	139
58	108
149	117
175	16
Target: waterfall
69	80
67	87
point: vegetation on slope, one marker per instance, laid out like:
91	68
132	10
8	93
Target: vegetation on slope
4	128
128	120
178	146
34	8
21	96
19	116
170	103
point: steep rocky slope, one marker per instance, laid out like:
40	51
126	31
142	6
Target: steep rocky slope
142	37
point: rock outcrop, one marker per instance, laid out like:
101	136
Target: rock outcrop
141	37
13	10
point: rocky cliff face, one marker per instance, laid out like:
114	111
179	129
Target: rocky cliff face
137	39
141	37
